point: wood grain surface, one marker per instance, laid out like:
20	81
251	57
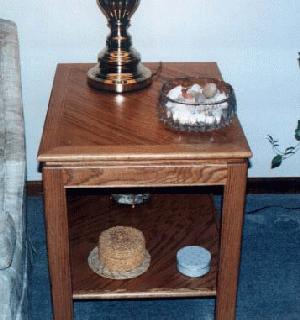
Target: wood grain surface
58	244
231	240
83	124
143	176
99	140
254	186
168	222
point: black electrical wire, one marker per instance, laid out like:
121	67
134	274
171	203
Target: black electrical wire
270	207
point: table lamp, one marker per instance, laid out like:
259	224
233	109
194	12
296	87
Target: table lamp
119	67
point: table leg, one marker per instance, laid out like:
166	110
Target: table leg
230	241
58	244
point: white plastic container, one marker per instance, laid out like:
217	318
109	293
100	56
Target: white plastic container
193	261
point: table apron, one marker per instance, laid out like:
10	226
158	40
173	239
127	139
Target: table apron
144	176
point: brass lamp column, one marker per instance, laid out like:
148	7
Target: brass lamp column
119	67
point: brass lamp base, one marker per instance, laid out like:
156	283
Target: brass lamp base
119	82
119	67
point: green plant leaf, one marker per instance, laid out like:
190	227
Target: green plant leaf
289	149
270	138
276	162
289	153
272	141
297	131
297	134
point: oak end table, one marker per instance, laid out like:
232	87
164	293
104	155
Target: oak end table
100	141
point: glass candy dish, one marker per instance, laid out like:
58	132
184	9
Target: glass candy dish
130	198
183	106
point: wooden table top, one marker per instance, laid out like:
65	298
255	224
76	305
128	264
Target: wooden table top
87	125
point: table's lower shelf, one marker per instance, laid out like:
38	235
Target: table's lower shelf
168	222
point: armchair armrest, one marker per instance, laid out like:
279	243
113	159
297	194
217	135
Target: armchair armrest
7	240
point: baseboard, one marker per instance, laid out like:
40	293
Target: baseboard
34	188
273	185
255	186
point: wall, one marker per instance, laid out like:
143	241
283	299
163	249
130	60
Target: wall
255	43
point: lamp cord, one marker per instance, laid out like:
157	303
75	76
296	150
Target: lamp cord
272	206
158	70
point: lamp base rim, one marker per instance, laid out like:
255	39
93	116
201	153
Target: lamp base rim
119	82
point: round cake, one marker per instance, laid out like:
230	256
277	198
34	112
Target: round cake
121	248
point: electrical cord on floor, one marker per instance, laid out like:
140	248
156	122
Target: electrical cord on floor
272	206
